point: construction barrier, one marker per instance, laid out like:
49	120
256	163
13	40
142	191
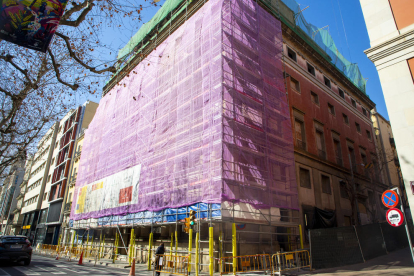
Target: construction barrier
247	263
171	264
285	261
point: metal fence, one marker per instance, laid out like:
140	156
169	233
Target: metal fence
332	247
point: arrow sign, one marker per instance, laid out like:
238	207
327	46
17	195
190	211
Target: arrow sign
389	199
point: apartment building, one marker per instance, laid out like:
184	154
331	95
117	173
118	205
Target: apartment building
388	156
210	129
73	173
33	198
8	196
52	206
42	204
390	26
17	226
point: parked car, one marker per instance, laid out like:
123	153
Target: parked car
15	248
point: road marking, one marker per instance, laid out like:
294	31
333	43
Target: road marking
25	271
5	273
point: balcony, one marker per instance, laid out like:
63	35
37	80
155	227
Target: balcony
301	144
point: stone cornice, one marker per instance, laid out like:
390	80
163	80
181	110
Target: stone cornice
390	47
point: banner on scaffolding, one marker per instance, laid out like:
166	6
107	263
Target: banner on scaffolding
115	191
30	23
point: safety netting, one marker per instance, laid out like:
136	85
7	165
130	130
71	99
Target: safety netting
202	119
313	34
323	40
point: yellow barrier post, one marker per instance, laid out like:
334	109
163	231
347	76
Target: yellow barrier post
172	244
149	251
87	244
57	248
131	247
103	247
300	235
190	248
73	239
176	243
196	254
234	247
210	250
99	247
116	247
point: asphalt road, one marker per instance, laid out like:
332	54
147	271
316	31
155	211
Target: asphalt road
43	266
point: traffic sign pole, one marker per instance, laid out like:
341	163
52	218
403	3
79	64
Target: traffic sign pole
406	224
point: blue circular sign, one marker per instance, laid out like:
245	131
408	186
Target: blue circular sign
389	199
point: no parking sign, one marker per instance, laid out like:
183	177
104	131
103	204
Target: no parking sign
389	199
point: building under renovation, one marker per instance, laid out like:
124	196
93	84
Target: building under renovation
197	118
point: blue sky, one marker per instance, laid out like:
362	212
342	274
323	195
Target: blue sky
328	12
346	26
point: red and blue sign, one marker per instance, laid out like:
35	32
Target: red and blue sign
240	226
389	199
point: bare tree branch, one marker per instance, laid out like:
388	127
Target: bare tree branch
73	55
86	6
57	72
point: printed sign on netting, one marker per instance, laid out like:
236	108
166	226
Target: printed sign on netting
394	217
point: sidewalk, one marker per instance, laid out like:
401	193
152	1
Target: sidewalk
396	263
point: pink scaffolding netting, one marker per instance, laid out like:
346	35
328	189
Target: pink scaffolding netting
204	118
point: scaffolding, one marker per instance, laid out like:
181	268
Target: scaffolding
201	123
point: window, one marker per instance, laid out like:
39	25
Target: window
352	154
358	127
300	134
338	152
320	143
305	180
311	69
353	103
56	144
294	84
341	93
291	54
326	184
53	161
69	198
327	81
44	196
364	111
364	158
369	134
346	119
343	189
48	178
331	109
315	98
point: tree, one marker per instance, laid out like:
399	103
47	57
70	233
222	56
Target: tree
38	88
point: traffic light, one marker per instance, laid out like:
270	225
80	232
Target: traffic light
192	217
187	225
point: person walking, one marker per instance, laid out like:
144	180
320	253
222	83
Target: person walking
160	251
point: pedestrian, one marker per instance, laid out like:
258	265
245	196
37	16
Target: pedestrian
160	251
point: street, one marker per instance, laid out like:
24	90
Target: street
43	266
